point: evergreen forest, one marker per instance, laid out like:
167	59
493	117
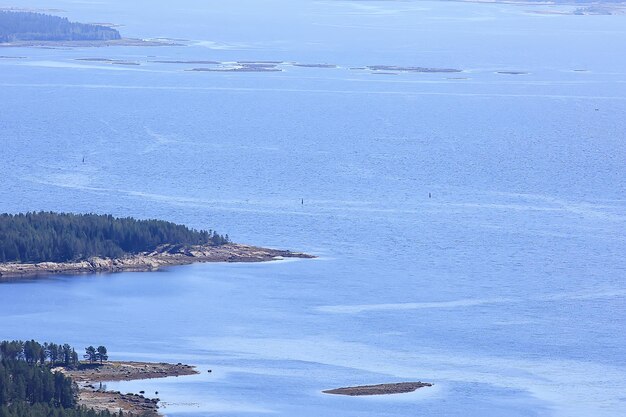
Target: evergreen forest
29	26
62	237
29	387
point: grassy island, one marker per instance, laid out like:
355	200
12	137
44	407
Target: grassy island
30	26
46	242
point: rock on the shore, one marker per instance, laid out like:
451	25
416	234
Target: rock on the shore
165	255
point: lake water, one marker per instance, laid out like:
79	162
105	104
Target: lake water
506	288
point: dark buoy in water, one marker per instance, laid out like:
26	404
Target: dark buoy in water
209	371
303	201
156	392
83	159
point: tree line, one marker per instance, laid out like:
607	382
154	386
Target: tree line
62	237
52	354
34	353
29	26
96	355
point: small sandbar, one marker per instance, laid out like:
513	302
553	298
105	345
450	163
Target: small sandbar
551	12
410	69
187	62
260	62
241	67
381	389
96	59
314	65
512	72
108	61
236	70
170	40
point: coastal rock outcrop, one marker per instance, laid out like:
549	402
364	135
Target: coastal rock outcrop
163	256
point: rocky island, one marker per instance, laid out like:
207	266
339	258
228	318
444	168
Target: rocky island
380	389
45	243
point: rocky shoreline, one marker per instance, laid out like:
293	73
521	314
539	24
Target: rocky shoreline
88	378
381	389
164	256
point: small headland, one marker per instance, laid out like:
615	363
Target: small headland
44	243
48	379
163	256
92	393
381	389
28	28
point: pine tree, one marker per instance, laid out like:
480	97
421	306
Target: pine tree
102	354
91	354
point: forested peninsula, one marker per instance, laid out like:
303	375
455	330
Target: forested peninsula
40	243
30	26
48	379
31	29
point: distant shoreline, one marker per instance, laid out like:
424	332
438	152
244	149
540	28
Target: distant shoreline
164	256
89	44
586	8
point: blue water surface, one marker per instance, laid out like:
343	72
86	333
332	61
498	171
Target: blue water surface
505	287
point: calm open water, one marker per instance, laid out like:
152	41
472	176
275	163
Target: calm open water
506	288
